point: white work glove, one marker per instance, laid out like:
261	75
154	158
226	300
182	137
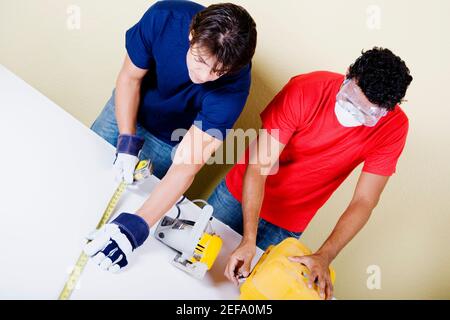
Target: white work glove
112	244
124	167
128	148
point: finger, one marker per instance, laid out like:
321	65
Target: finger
117	164
98	258
329	290
229	272
231	275
105	264
115	268
109	250
304	260
297	259
128	176
91	236
311	279
97	244
112	258
225	272
322	285
232	263
118	170
115	259
244	270
119	265
128	170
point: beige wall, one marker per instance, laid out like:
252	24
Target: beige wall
407	235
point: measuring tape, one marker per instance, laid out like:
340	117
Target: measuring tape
143	171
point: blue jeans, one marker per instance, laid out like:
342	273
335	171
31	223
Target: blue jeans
158	151
228	210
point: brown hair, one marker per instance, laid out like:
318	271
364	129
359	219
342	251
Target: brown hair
228	32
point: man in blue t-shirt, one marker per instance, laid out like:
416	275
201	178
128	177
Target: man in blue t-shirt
186	75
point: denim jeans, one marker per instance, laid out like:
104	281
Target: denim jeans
228	210
158	151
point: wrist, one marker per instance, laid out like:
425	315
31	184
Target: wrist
248	240
134	227
129	144
327	255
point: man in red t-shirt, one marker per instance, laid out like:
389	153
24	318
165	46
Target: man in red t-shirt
319	128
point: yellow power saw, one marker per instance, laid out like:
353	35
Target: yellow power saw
196	243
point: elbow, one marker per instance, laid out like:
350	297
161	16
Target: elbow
125	78
184	172
257	170
255	173
368	204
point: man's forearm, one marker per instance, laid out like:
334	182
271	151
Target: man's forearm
166	194
252	198
127	103
350	223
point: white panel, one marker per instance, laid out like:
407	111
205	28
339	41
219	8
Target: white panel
56	179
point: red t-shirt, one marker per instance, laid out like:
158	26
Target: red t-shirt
320	153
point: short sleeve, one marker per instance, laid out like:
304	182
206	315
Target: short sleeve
383	159
220	110
283	113
139	38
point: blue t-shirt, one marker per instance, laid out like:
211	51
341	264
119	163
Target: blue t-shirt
159	42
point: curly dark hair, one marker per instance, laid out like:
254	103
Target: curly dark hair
382	76
228	32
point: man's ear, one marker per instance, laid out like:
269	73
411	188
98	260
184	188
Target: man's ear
190	36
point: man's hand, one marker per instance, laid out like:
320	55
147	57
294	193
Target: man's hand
124	167
112	244
240	261
318	266
128	147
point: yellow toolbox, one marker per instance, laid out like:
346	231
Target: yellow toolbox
275	277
